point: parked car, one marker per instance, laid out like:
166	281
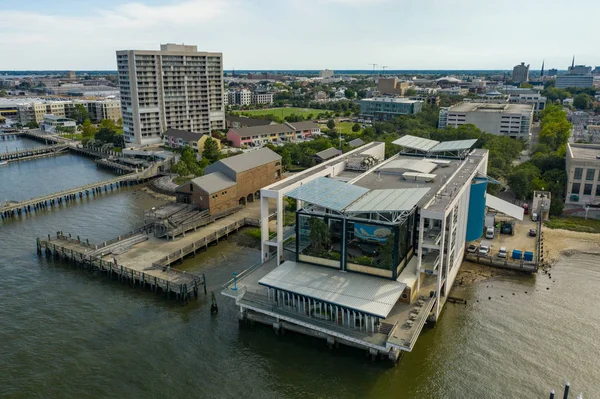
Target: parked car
532	232
484	250
525	208
534	217
489	232
472	249
502	252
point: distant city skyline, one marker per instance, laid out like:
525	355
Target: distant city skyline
296	35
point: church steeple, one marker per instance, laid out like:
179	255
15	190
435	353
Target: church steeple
542	73
573	63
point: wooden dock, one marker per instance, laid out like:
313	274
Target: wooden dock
33	152
49	201
172	283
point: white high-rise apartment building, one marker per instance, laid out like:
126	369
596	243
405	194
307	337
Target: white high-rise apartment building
177	87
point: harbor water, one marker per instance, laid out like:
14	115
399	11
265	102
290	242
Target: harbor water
67	333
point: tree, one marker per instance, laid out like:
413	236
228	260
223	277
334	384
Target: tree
108	124
525	85
319	235
581	101
3	93
105	135
331	124
211	150
522	178
80	113
356	128
32	125
410	92
349	93
88	130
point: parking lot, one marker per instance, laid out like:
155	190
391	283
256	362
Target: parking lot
519	240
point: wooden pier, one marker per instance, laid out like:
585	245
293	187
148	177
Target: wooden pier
13	209
172	283
33	152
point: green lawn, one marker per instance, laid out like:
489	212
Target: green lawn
344	128
180	180
282	112
574	224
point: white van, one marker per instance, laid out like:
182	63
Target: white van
489	232
534	217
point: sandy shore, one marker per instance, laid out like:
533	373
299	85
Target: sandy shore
560	242
557	244
156	195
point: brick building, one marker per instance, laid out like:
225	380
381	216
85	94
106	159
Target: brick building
232	181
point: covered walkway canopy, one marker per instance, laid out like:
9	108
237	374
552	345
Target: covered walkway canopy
504	207
370	295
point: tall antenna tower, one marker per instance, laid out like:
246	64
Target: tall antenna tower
383	68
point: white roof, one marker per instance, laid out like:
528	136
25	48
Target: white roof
417	165
455	145
328	193
366	294
504	207
415	143
389	200
418	176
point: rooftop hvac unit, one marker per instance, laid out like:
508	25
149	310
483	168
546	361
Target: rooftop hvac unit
420	177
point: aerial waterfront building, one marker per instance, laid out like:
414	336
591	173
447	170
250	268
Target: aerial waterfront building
387	108
25	110
53	123
231	182
512	120
177	87
583	174
520	73
373	247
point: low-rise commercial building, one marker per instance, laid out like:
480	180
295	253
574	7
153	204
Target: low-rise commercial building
387	108
176	138
237	122
572	80
232	181
262	98
54	123
512	120
34	109
392	86
583	174
281	133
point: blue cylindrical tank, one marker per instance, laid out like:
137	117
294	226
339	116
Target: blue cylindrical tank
476	217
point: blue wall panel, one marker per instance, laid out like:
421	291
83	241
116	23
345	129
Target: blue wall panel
476	217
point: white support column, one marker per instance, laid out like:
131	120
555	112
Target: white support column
280	209
264	226
372	324
420	251
441	265
449	246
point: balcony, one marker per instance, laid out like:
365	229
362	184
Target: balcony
432	238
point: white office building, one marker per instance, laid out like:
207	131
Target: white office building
262	98
573	80
512	120
583	174
177	87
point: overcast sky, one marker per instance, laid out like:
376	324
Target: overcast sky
304	34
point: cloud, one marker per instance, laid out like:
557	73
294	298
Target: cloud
28	39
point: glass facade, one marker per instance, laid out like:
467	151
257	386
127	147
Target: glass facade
355	245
